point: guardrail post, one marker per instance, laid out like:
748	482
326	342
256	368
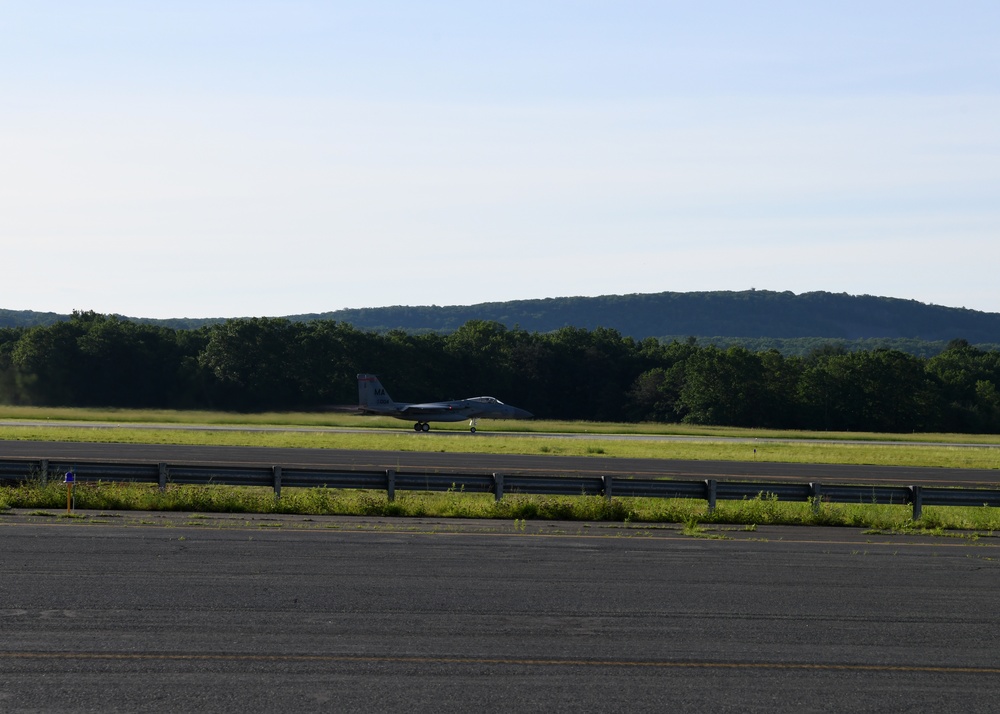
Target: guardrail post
277	481
608	481
710	493
917	498
44	468
498	486
390	484
163	476
815	492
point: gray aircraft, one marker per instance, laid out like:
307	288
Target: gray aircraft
373	399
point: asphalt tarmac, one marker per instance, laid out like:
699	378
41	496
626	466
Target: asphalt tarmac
173	612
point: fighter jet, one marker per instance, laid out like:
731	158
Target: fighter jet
373	399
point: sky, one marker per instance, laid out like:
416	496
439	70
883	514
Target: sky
259	158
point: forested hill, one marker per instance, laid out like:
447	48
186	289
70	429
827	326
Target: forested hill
747	314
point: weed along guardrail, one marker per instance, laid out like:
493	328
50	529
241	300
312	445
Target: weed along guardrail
276	477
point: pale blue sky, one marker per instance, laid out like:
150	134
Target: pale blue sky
171	159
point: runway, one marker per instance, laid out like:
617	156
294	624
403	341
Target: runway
444	462
162	612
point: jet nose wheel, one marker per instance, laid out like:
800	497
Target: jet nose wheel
472	429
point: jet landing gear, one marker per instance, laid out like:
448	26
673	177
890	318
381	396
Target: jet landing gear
424	426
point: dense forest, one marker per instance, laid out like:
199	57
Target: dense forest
756	319
570	373
743	314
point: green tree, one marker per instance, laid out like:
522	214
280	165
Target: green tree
255	362
655	393
881	390
589	373
124	363
962	372
724	388
47	360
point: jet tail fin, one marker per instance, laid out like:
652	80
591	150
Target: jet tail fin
372	395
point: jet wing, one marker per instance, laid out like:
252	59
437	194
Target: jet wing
431	408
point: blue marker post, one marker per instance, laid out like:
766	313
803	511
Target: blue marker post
69	481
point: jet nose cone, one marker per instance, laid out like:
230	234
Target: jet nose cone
523	414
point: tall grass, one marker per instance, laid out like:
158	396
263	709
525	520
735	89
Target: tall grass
324	501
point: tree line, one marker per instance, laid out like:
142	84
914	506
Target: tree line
256	364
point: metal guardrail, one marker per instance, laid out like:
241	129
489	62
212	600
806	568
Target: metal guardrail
711	490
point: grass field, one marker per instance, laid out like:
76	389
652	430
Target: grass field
693	514
534	426
320	431
719	447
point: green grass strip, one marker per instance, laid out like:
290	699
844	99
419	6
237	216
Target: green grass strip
351	420
693	513
949	456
